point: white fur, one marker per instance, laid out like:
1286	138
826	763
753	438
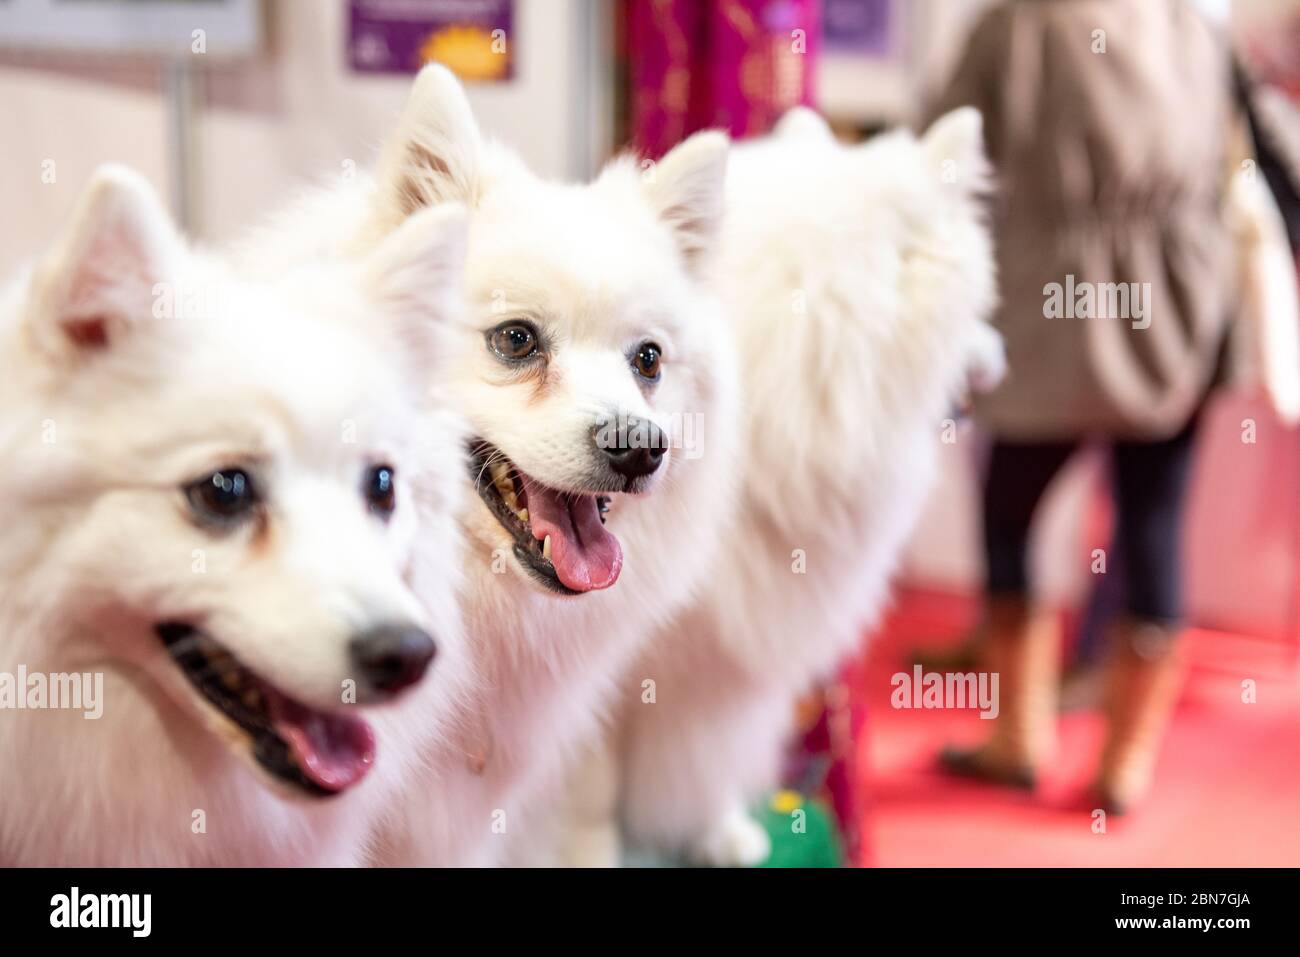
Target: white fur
311	376
600	267
858	281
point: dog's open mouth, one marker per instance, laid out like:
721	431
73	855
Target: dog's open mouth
560	537
320	753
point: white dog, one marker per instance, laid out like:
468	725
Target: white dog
599	383
858	281
230	531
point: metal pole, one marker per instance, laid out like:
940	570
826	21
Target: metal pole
180	82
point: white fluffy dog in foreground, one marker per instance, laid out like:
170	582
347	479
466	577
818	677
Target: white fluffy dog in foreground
599	383
230	533
858	282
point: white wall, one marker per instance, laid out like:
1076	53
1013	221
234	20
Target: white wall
294	111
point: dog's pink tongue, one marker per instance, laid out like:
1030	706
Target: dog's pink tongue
332	750
586	557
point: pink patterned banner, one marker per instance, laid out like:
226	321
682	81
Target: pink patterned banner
734	65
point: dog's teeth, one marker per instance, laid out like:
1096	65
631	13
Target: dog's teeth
546	548
523	515
506	489
500	474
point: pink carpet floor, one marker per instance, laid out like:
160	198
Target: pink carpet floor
1227	790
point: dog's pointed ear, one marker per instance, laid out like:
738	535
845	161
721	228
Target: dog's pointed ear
954	145
417	273
102	275
435	156
802	123
686	189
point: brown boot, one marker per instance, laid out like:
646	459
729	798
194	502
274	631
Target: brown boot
1144	678
1023	646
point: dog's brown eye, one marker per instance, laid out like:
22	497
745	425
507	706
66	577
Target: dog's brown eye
514	341
381	491
646	361
223	496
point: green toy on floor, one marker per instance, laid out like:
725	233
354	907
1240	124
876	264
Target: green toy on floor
802	830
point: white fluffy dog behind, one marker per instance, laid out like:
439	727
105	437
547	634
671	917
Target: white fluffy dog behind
230	505
858	281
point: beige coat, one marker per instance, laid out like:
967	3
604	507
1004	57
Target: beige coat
1107	122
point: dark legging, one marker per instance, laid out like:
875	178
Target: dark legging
1150	487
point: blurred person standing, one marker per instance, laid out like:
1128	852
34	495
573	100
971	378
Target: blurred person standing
1109	124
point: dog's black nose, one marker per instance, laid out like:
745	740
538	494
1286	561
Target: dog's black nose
634	447
391	657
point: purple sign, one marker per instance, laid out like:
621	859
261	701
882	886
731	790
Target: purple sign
474	38
861	27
